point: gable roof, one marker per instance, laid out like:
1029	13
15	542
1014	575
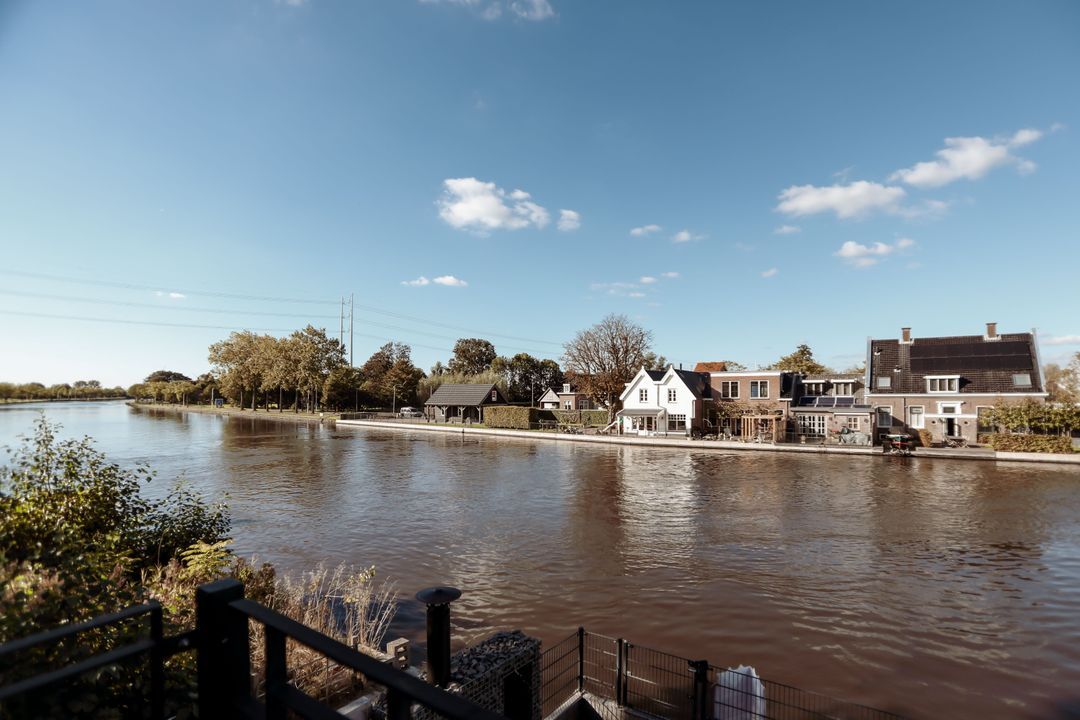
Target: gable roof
469	395
697	382
984	366
554	396
656	375
720	366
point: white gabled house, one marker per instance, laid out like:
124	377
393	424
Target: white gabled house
663	402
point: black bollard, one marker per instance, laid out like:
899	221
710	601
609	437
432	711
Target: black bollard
438	601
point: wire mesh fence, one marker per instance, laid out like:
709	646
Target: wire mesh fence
617	677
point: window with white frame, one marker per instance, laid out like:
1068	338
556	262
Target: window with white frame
944	384
643	395
948	408
916	417
759	388
844	388
883	382
853	422
568	405
671	395
494	396
729	388
676	422
884	417
811	424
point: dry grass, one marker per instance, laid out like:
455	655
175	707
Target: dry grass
345	603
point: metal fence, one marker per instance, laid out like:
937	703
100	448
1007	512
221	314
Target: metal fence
617	677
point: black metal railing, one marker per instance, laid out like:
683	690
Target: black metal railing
616	675
223	664
225	673
75	663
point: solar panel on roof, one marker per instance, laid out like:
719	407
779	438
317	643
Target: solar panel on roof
807	401
845	401
826	402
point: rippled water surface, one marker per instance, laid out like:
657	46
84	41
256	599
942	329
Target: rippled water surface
935	588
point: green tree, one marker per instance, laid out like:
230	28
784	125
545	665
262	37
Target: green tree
472	356
605	357
800	361
1062	383
166	376
342	388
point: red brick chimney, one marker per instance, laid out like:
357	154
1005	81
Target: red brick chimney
905	335
991	331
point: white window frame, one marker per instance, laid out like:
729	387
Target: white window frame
677	422
568	405
1029	380
883	382
955	408
643	395
762	387
942	384
921	414
729	389
672	395
812	424
853	422
494	396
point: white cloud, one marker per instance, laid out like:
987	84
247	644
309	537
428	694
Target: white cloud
671	274
532	9
470	204
769	273
636	295
450	281
684	236
647	280
569	220
1060	340
170	295
862	256
623	289
787	230
418	282
852	200
969	158
645	230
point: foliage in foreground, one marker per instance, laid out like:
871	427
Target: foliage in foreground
78	539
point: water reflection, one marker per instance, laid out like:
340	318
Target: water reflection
928	587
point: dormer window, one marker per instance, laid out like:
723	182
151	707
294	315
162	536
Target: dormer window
943	384
814	388
566	388
843	388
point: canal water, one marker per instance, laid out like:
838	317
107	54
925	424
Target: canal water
936	588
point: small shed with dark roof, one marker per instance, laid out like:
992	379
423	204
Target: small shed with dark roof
453	402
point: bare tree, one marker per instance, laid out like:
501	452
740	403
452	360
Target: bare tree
605	357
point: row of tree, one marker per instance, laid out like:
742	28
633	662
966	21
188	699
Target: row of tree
78	390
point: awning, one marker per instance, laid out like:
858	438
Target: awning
641	412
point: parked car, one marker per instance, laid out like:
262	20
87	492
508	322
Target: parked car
410	412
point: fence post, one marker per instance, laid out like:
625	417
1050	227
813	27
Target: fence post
223	664
620	671
581	659
700	669
157	664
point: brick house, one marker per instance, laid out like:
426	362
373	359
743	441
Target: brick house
766	395
946	384
833	403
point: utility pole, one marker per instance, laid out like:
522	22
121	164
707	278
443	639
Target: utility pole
341	323
351	328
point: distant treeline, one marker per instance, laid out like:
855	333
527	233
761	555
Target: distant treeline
78	390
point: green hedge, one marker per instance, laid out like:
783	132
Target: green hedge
581	417
511	417
1031	443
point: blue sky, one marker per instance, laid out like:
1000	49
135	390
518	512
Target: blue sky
737	177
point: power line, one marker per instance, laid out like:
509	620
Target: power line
83	318
155	306
157	288
237	296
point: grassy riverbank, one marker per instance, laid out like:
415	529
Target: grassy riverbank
25	401
283	416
